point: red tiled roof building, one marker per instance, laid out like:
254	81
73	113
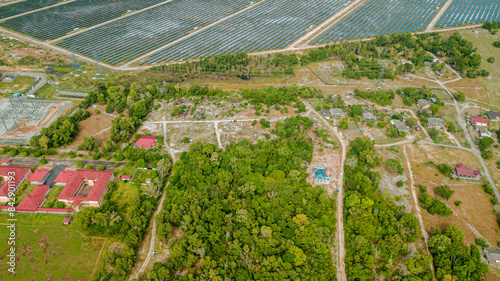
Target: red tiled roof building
479	121
63	177
18	176
461	171
38	176
85	188
146	142
32	201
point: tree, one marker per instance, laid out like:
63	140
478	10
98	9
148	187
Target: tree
43	160
445	169
491	59
435	135
163	167
343	124
101	167
393	166
451	127
484	143
444	191
89	143
79	164
487	154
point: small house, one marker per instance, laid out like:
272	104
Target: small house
146	142
479	121
368	116
492	256
423	104
67	220
400	126
425	112
337	113
320	176
325	112
493	115
436	123
5	162
434	100
484	132
39	176
125	178
466	173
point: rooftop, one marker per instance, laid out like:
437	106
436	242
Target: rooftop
86	185
64	176
320	174
38	175
477	119
5	161
435	122
460	170
493	115
422	102
146	142
18	174
33	200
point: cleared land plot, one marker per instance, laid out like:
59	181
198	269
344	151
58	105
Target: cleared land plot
133	36
47	250
270	25
470	12
474	216
24	6
19	85
55	22
126	197
381	17
203	132
238	131
97	125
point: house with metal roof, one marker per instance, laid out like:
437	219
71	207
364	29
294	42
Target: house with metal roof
484	132
320	176
146	142
493	115
423	104
467	173
337	113
492	256
400	126
436	123
368	116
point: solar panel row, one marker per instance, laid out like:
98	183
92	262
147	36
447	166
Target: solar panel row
470	12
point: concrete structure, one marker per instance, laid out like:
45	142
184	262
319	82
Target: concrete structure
436	123
86	188
35	199
492	256
400	126
465	173
320	176
368	116
493	115
39	176
63	177
423	104
146	142
337	113
484	132
479	121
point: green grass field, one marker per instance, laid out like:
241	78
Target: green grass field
126	196
483	41
46	248
52	196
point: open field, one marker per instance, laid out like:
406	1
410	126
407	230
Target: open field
48	250
483	41
126	196
19	85
97	125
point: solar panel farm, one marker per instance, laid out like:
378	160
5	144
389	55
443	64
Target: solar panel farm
129	34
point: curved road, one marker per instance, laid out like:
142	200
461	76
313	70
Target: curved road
42	79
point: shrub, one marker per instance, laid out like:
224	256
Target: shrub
444	191
481	242
116	165
393	166
458	203
491	59
90	166
43	160
494	201
79	164
445	169
400	183
487	154
101	168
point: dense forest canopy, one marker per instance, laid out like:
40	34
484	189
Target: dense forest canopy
248	213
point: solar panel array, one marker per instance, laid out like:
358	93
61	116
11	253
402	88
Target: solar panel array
127	38
24	6
382	17
58	21
470	12
272	24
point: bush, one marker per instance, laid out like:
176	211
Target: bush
491	59
494	201
433	206
444	191
116	165
185	140
445	169
487	154
487	188
264	123
59	204
79	164
458	203
435	135
393	166
484	143
101	168
400	183
90	166
481	242
43	160
459	96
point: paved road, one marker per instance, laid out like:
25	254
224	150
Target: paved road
341	275
54	172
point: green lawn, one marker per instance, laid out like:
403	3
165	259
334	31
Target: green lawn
52	196
126	196
20	84
46	248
